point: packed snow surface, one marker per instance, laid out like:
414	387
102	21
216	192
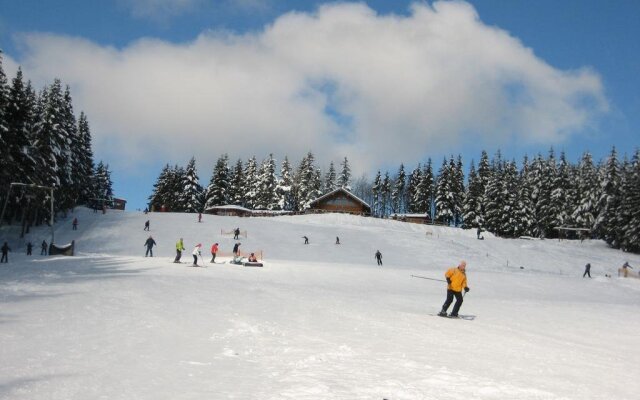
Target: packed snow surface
318	321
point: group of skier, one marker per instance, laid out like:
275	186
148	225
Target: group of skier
6	249
197	250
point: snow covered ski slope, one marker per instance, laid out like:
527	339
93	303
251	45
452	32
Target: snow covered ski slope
317	321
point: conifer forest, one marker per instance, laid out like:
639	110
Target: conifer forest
45	146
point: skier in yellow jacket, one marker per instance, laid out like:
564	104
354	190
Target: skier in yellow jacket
456	283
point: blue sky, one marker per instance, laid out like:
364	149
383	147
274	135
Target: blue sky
380	82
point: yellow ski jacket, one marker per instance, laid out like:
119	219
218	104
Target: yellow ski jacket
458	279
179	245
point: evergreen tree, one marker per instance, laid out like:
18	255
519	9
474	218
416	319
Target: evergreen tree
457	188
345	175
540	195
251	183
5	177
376	190
385	195
587	194
85	162
330	179
444	194
218	188
425	190
495	201
268	183
237	185
609	201
159	196
560	191
629	215
308	182
398	192
412	193
525	211
484	173
102	184
471	208
70	183
286	201
17	164
191	195
509	223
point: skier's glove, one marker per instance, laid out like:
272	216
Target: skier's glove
466	289
449	281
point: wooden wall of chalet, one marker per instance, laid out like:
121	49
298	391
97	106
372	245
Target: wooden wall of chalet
340	203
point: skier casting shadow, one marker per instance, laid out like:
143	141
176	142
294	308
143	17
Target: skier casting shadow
179	250
149	243
456	283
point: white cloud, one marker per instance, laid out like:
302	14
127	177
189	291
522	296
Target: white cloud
341	81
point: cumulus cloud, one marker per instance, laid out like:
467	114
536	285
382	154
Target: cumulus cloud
340	81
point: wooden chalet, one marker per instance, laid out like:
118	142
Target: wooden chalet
229	210
340	201
119	204
413	218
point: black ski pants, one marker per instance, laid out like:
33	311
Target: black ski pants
149	251
379	260
178	255
456	307
5	258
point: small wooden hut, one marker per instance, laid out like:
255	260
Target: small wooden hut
340	201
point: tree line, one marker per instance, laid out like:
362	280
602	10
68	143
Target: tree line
44	144
544	193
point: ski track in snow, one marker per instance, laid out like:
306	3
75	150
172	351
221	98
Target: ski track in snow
319	321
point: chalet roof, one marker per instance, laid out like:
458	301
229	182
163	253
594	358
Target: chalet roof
343	190
229	207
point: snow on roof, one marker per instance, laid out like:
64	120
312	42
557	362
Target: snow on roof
341	189
229	207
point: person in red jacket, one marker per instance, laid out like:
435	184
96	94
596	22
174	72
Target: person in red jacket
456	283
214	251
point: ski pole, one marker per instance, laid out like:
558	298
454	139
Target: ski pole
431	279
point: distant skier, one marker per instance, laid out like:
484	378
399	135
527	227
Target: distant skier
236	249
74	224
199	217
379	257
43	248
306	240
625	269
146	226
337	240
149	243
236	233
5	253
456	283
196	252
179	250
587	270
479	234
214	251
29	248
